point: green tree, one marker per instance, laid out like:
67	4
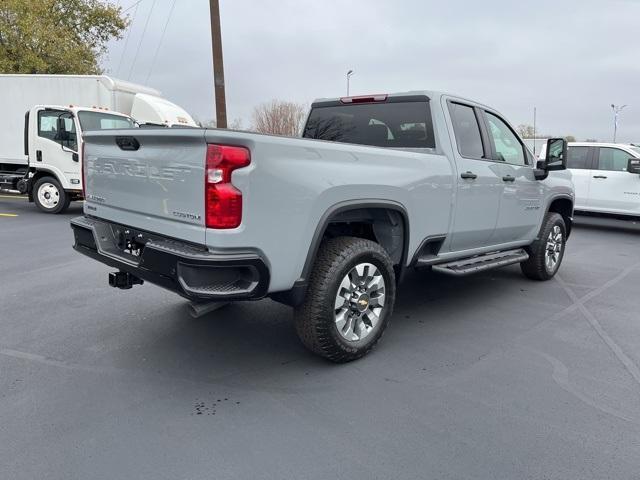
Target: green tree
57	36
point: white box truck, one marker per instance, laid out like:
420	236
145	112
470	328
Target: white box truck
42	124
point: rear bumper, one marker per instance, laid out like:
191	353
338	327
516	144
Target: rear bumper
194	272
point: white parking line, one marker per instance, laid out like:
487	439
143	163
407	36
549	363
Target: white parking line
631	367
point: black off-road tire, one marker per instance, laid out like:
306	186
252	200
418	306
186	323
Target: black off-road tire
64	199
315	317
535	267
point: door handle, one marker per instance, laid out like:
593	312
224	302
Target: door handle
470	175
38	155
508	178
599	176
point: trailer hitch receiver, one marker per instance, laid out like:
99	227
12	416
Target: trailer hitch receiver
123	280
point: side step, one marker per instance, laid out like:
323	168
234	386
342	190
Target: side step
481	263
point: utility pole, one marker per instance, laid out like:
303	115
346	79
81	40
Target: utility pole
218	67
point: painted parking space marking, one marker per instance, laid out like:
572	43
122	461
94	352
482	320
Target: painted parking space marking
21	197
8	215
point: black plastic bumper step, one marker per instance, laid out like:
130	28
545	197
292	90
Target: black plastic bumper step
482	262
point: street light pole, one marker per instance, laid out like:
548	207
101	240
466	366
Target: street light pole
349	73
218	67
616	114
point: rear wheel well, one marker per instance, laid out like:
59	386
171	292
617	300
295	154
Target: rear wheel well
564	207
384	226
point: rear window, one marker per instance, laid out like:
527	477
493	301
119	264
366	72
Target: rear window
393	124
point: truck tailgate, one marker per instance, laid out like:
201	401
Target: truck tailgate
152	179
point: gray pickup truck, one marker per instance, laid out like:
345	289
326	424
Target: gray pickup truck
327	223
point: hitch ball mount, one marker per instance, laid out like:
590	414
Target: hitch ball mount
123	280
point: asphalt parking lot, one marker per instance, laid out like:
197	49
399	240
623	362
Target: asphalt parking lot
485	377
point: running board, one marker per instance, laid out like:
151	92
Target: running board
481	263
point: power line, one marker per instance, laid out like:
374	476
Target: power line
155	55
144	31
131	6
126	40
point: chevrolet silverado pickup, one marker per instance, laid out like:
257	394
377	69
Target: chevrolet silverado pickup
606	177
327	223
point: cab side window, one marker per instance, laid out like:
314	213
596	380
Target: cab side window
508	147
613	159
578	158
48	128
466	130
47	124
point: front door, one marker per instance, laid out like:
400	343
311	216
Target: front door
479	186
521	205
53	150
613	189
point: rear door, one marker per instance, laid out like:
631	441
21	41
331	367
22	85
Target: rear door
521	203
579	161
150	179
479	186
613	189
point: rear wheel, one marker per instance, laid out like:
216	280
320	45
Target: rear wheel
547	252
349	300
49	196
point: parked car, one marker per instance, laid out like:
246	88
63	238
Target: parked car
606	177
328	227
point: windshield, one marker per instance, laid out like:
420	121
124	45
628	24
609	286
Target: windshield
103	121
636	150
399	124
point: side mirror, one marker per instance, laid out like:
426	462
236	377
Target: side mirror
634	165
556	156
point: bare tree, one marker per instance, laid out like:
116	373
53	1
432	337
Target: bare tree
279	117
237	124
525	131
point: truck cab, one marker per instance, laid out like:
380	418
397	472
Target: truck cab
606	177
53	141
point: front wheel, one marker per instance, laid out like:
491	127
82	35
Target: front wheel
547	252
49	196
349	300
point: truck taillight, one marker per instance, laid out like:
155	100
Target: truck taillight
223	201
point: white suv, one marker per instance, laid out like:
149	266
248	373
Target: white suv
602	179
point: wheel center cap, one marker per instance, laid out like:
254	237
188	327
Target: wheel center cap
361	302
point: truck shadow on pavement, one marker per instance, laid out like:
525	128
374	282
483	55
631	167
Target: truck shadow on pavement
253	344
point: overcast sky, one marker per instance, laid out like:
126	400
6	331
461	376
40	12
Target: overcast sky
570	58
